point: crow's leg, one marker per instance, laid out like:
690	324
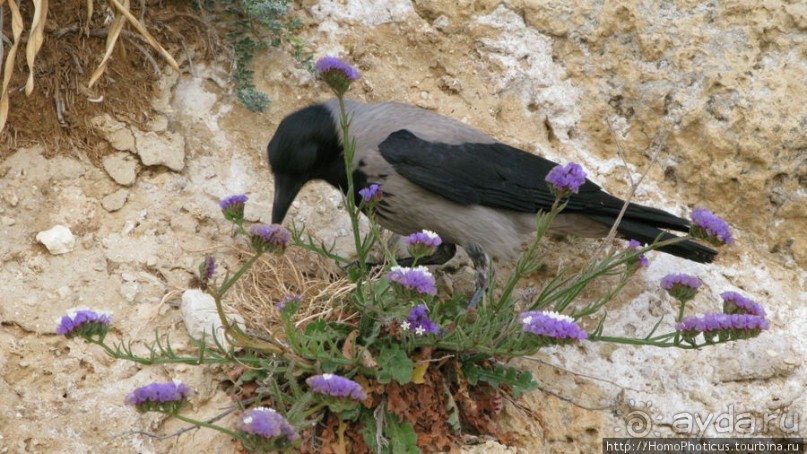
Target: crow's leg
444	253
482	266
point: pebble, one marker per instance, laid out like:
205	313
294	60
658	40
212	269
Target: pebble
59	239
121	167
115	201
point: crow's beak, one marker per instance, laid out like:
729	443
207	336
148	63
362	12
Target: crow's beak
286	189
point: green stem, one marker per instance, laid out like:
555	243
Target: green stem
632	341
206	424
231	281
350	150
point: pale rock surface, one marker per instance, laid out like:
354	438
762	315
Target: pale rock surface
58	239
165	149
201	318
121	167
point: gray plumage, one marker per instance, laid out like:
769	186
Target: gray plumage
443	175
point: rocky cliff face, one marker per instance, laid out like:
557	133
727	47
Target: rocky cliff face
722	83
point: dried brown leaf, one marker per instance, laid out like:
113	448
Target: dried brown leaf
124	9
16	31
35	40
112	37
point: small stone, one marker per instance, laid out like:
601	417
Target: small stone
129	291
200	315
161	149
59	239
7	221
122	140
115	201
121	167
10	196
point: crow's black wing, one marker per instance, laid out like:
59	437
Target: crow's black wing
500	176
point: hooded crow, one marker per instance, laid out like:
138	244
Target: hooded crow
442	175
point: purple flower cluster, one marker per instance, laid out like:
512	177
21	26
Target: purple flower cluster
289	299
233	208
419	323
425	237
734	303
685	280
551	325
423	243
266	423
633	246
418	279
722	322
337	74
269	237
564	181
336	386
682	287
207	269
371	193
84	322
710	227
164	397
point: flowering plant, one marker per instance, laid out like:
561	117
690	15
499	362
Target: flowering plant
405	336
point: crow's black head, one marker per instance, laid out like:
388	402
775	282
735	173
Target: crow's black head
305	147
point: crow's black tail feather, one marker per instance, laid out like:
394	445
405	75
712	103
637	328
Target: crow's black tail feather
646	232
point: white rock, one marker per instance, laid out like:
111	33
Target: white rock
166	149
200	315
59	239
121	167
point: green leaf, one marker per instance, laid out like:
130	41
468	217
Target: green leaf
402	437
518	380
394	364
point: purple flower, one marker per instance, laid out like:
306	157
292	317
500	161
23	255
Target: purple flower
337	74
84	322
425	237
551	325
233	208
710	227
371	193
682	287
206	270
564	181
418	279
423	243
266	423
336	386
734	303
727	326
163	397
419	323
273	238
289	299
634	246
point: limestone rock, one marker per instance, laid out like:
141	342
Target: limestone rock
59	239
115	132
166	149
115	201
200	315
121	167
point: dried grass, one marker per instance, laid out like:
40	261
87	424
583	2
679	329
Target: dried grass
67	45
298	272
